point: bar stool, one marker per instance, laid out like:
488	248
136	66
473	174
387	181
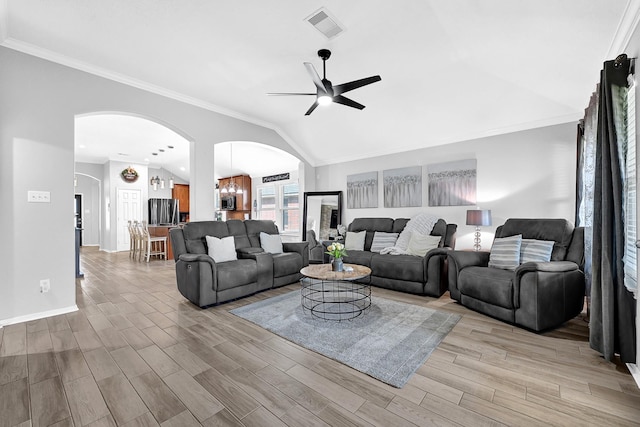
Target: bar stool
133	240
153	245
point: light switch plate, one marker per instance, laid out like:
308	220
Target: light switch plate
38	196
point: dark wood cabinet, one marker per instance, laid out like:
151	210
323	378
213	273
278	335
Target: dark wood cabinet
181	192
243	200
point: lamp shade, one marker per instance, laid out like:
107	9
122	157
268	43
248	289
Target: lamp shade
479	217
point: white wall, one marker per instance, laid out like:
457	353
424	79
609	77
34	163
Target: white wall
38	106
529	174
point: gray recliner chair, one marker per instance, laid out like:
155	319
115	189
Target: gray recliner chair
316	249
536	295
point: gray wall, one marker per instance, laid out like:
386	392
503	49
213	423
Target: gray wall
528	174
39	103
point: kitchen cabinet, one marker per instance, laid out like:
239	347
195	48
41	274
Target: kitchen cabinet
243	200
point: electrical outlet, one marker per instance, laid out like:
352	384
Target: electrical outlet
45	285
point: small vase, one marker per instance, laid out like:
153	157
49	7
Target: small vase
336	264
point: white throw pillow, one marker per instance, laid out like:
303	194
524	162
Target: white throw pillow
383	240
271	243
222	250
355	240
420	244
533	250
505	252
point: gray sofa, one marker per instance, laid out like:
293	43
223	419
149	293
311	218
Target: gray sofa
407	273
537	295
204	282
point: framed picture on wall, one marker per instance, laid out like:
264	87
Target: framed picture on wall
362	190
403	187
452	183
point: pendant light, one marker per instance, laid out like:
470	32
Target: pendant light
231	187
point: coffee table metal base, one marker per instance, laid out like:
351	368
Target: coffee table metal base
335	299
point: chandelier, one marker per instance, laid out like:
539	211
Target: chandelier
231	187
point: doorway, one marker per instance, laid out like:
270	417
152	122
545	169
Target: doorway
129	209
78	215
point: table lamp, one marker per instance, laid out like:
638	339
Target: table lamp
478	217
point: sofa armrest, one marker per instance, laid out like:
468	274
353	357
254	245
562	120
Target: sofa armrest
300	247
196	257
538	272
248	251
457	261
551	267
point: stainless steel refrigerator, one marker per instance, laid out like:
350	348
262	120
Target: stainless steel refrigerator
164	211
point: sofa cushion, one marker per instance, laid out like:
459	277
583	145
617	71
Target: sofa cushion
491	285
371	225
232	274
255	226
221	250
271	243
194	234
420	244
286	263
558	230
532	250
383	240
354	240
359	257
505	252
399	267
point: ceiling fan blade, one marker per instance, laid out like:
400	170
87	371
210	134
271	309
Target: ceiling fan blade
288	94
313	107
346	87
316	78
339	99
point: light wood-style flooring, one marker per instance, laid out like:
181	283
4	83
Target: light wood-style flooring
138	354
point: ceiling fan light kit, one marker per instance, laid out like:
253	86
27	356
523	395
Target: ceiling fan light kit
326	92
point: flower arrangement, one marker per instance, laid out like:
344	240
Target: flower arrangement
336	250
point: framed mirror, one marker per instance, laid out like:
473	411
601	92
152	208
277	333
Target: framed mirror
322	212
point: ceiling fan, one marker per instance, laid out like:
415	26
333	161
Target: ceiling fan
326	93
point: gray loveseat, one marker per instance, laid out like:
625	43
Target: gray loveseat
204	282
536	295
407	273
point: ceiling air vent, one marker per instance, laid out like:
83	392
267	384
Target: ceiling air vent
324	22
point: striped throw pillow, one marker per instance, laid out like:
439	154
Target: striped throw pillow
383	240
505	252
533	250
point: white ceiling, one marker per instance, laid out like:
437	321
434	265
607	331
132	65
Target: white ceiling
451	70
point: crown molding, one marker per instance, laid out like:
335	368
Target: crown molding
48	55
626	27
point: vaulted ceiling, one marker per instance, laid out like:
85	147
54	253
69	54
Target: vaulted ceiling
451	70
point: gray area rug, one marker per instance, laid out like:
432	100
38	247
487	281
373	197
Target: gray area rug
389	342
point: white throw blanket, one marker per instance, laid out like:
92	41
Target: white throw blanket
421	223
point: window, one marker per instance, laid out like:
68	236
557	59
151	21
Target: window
280	202
267	203
290	208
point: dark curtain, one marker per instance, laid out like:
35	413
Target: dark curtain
612	318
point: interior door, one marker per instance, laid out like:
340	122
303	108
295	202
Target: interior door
129	209
78	214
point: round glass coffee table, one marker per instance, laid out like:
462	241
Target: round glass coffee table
333	295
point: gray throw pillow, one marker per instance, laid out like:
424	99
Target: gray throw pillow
383	240
505	252
533	250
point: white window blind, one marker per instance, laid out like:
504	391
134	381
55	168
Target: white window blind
630	209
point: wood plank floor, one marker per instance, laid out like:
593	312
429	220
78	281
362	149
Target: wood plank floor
138	354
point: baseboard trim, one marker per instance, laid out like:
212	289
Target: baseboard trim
40	315
635	372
